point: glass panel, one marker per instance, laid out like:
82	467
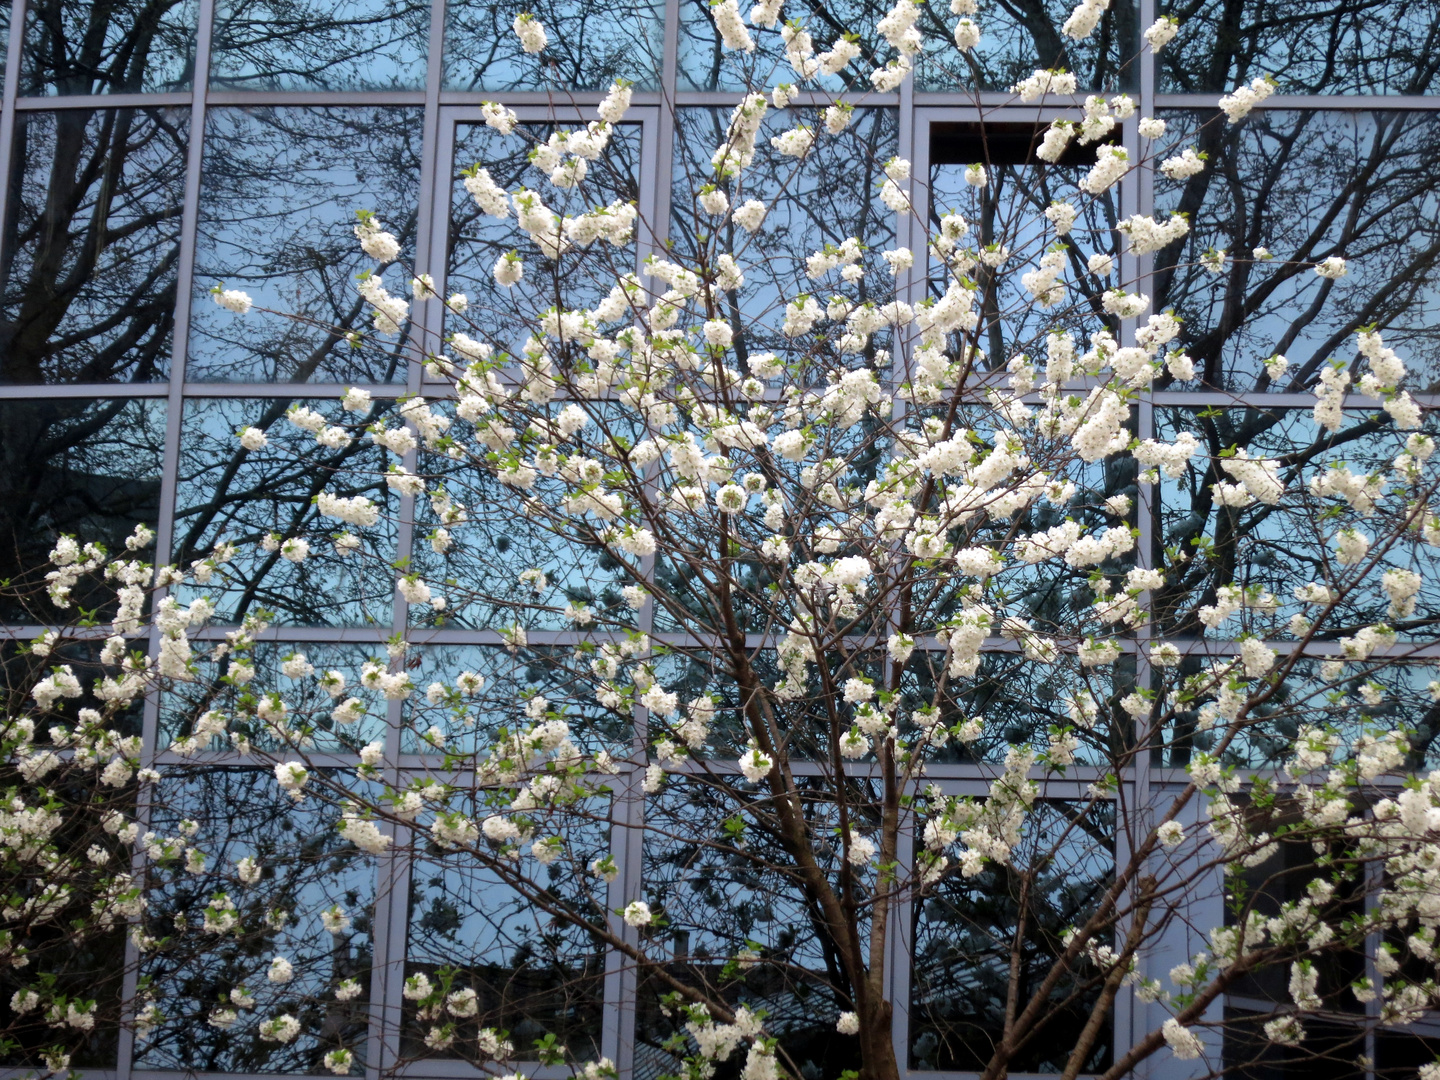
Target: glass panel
705	64
279	192
471	722
719	899
589	45
533	972
1348	700
310	708
227	493
823	198
306	868
90	469
1007	214
1272	550
310	45
1311	47
88	277
965	928
110	47
506	317
1020	702
1017	39
23	670
1357	185
501	537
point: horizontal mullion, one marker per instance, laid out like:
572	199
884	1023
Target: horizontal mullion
1365	102
339	98
209	759
103	101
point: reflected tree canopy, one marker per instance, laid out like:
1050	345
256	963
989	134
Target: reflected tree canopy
91	245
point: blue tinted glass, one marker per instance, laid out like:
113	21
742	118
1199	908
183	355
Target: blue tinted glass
308	45
279	192
1354	184
964	929
78	310
589	45
258	499
113	47
306	868
534	971
1018	39
1308	47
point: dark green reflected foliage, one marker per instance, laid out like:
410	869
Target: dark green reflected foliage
965	929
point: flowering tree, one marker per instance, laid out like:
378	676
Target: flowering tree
806	532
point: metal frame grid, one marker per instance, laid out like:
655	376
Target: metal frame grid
443	111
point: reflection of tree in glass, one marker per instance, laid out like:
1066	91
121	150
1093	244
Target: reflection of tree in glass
309	45
87	279
85	468
505	317
966	929
1309	47
532	973
279	192
1017	36
1305	185
813	202
225	493
1281	547
589	45
108	47
1006	213
306	869
723	893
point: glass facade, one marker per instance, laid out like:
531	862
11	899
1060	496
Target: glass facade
155	148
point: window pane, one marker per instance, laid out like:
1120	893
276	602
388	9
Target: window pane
1312	47
118	47
1020	702
91	251
310	45
306	868
1016	40
309	706
471	722
227	493
1349	700
533	972
500	537
705	64
1357	185
279	192
589	45
1006	223
826	197
719	899
1273	550
965	928
87	468
505	318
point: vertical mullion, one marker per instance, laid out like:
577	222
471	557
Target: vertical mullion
912	229
13	57
392	871
164	526
657	148
1132	1018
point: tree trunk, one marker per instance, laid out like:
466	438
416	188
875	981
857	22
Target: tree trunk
877	1044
